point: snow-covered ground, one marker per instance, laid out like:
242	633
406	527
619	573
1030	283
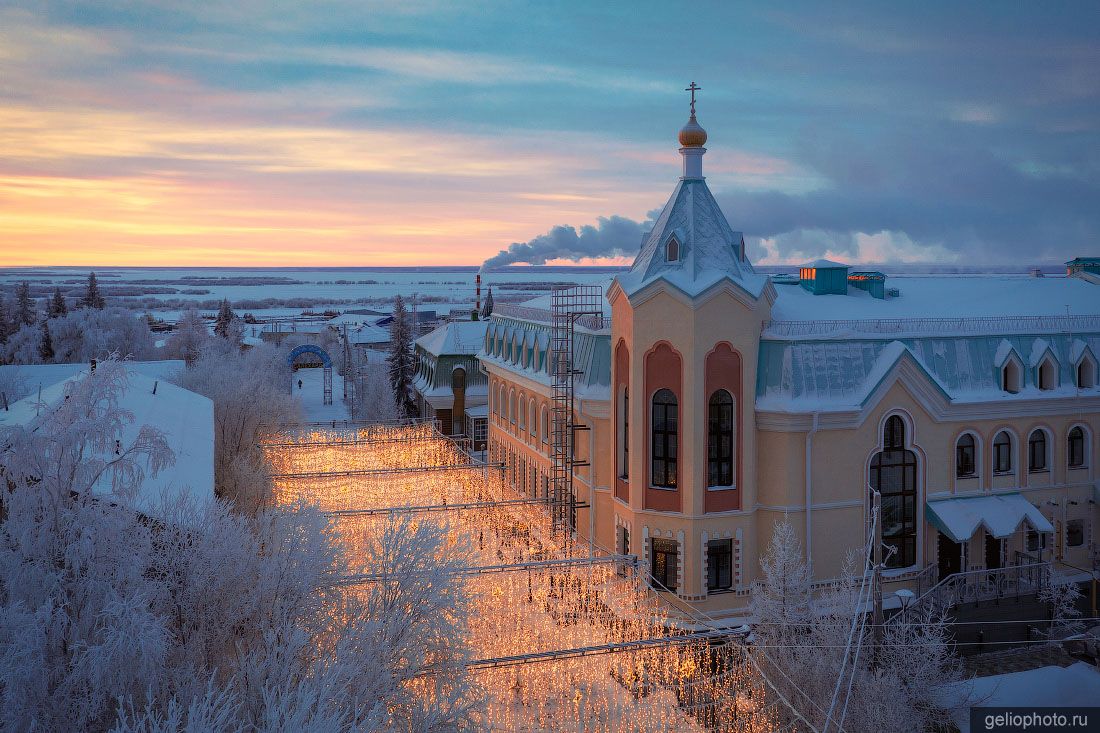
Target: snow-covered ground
312	393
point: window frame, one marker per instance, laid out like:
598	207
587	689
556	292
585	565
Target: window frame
894	456
1081	438
665	552
664	464
722	401
1080	524
719	548
972	448
1006	452
1032	464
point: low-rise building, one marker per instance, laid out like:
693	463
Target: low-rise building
447	380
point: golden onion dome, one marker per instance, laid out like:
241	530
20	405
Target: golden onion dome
692	135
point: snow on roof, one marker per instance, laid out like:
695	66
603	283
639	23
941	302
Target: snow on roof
185	418
479	411
368	334
824	264
25	379
835	374
946	297
709	251
455	337
1000	514
1075	685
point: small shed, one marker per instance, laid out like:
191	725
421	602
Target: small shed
873	281
824	277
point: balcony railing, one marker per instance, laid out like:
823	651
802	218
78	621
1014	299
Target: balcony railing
983	585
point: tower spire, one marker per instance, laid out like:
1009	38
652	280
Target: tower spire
692	139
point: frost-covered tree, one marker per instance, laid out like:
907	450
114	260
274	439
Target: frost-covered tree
373	399
1062	596
92	297
199	618
56	306
188	338
816	647
45	343
400	359
25	311
86	334
7	328
249	390
224	321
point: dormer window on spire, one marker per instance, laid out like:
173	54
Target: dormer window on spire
672	250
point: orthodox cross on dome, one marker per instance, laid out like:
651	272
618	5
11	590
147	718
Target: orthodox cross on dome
693	88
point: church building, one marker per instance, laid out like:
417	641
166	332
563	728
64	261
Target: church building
711	400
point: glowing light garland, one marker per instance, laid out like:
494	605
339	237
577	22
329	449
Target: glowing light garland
537	618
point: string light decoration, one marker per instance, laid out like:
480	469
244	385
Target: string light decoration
584	646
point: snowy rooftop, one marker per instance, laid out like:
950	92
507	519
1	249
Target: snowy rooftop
707	250
21	380
456	337
1075	685
185	418
945	297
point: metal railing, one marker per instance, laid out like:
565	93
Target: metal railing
592	321
983	585
990	325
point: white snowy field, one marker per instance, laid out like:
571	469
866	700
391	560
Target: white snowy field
441	289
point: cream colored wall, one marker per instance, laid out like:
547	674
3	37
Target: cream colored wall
841	458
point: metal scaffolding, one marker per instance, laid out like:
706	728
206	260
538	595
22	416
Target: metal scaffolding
567	306
431	508
567	562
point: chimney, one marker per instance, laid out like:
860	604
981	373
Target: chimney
93	366
477	308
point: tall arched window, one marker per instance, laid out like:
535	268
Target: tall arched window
512	406
894	475
522	413
1075	448
531	416
501	409
545	425
672	250
624	434
1037	451
1002	453
720	439
665	433
965	453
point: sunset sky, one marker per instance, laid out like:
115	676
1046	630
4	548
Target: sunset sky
263	132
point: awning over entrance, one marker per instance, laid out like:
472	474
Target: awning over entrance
1001	515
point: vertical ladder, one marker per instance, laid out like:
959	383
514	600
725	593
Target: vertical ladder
568	306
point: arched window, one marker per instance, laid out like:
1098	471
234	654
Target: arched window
665	435
1010	376
522	413
531	416
1037	451
965	454
894	475
1075	448
545	424
672	250
500	402
1047	374
624	434
512	406
720	439
1002	453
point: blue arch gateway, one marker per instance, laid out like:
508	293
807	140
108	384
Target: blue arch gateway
326	364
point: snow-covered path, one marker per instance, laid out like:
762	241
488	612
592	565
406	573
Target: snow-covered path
311	395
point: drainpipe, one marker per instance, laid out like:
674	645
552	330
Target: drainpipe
809	496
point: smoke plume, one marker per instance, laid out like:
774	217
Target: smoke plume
613	236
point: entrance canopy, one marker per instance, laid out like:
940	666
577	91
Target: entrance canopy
1001	515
